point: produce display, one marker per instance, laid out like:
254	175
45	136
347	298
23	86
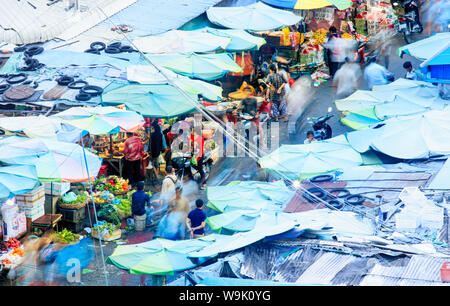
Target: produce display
103	197
319	37
13	243
124	208
109	213
75	197
106	227
65	236
111	183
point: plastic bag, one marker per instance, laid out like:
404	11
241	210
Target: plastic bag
69	197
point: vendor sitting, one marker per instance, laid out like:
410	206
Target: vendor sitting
249	106
139	199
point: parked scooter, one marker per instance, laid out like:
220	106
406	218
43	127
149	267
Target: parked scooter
408	24
321	129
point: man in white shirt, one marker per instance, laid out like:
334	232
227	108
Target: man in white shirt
410	74
376	74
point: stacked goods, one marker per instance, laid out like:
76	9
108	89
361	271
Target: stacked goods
311	54
360	22
325	13
319	37
11	253
56	188
32	203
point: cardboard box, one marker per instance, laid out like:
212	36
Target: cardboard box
32	195
40	201
108	237
33	213
58	188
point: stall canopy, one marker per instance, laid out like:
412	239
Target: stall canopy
42	127
150	75
427	47
309	4
181	41
54	161
246	220
409	137
101	120
249	195
16	180
240	40
254	17
159	256
437	68
207	67
307	160
155	101
360	119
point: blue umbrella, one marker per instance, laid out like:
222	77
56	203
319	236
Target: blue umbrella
16	180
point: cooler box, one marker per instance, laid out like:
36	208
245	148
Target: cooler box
58	188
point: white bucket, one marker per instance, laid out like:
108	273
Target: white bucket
139	222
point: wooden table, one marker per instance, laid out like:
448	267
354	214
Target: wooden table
116	163
46	221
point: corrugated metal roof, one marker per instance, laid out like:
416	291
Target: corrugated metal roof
420	270
325	269
23	22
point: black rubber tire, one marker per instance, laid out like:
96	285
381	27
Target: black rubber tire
74	85
83	97
340	190
359	201
4	87
115	45
317	191
93	51
20	49
112	50
16	78
336	203
126	49
35	50
321	178
65	80
89	88
98	45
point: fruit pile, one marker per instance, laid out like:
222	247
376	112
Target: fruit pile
319	37
103	197
6	261
347	36
13	243
18	252
111	183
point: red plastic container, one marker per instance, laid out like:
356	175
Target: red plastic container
445	272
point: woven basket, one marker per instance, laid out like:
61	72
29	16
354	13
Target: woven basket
120	193
73	206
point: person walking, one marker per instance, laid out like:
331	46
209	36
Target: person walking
275	91
346	79
195	221
133	151
173	224
156	147
335	50
376	74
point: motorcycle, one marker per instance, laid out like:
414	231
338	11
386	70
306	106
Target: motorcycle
321	129
408	23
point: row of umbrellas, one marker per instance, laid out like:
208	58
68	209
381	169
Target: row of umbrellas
403	97
50	153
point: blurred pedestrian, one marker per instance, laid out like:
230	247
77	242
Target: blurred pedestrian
346	79
336	51
195	221
376	74
260	174
156	147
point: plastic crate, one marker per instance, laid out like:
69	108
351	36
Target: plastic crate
445	272
73	215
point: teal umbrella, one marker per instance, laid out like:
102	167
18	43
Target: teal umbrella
427	47
240	40
245	220
248	195
159	256
307	160
156	101
361	119
207	67
16	180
